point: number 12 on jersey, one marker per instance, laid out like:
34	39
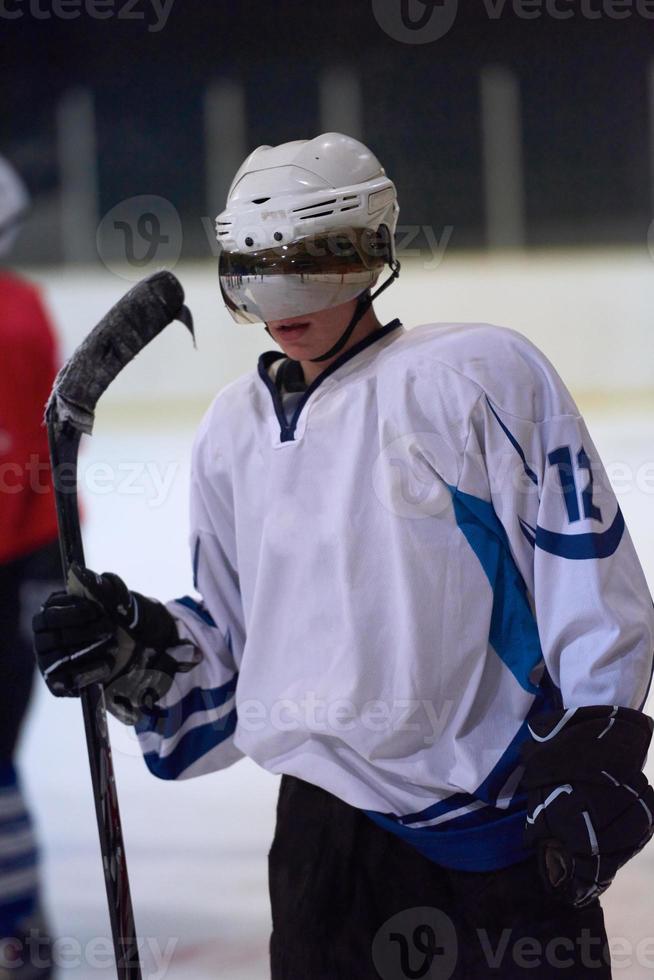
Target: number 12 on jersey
569	478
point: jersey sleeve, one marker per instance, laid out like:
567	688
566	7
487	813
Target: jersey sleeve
563	526
192	731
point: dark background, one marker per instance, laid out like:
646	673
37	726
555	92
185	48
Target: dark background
585	96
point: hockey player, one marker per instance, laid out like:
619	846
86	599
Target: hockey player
419	603
29	570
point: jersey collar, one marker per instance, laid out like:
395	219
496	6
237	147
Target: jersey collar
287	428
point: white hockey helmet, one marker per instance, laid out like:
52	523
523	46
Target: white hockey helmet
14	201
308	225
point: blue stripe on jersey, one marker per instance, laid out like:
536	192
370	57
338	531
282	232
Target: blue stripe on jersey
198	608
203	613
528	531
18	862
8	775
196	561
513	631
473	818
546	698
516	445
487	837
192	747
12	914
14	824
453	802
485	847
577	547
167	721
483	839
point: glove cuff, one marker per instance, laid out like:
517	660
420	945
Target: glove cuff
147	678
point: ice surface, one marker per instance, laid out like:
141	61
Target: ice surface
197	849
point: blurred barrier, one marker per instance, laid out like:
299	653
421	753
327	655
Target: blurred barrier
590	311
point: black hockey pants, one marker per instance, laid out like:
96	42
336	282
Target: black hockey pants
24	584
351	901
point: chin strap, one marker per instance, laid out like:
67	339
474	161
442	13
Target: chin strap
364	303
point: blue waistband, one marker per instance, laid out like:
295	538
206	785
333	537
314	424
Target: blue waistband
488	846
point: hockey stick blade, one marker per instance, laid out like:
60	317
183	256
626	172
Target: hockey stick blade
128	327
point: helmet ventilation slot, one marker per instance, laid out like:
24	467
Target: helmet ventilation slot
319	214
319	204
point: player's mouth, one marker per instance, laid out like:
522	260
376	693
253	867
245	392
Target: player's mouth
291	331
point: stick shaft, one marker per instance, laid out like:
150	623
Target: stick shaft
64	443
126	329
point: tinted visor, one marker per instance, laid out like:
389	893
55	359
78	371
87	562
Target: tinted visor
303	276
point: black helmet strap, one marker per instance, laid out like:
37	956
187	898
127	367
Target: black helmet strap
364	303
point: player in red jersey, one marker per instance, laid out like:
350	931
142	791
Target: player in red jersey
29	568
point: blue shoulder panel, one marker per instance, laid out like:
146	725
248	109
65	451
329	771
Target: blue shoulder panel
513	631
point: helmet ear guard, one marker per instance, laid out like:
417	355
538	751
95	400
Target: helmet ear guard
378	244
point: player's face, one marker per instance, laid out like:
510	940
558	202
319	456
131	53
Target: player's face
304	337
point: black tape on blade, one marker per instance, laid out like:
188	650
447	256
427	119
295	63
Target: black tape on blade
128	327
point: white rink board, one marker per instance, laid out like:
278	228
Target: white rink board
589	311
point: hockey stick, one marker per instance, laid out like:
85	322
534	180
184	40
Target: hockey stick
126	329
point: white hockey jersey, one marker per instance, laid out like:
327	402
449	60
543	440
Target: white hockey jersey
395	579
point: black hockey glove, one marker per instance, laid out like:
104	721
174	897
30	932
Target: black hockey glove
100	632
590	808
